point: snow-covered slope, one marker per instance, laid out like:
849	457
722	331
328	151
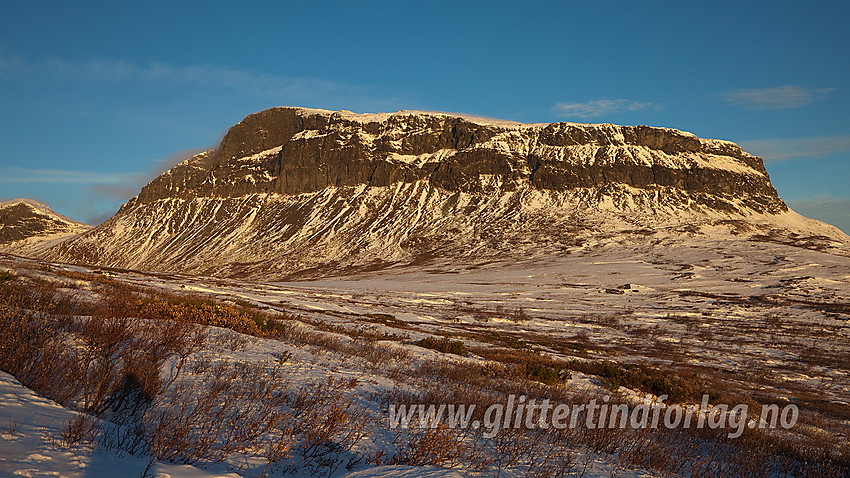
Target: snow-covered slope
294	191
33	425
28	226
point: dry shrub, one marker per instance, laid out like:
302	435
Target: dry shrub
328	422
644	378
79	430
440	446
705	453
537	453
444	345
234	410
119	356
105	344
532	452
92	359
31	341
237	408
302	335
12	426
233	341
204	313
378	357
528	364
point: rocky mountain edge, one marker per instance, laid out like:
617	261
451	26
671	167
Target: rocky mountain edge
25	222
301	192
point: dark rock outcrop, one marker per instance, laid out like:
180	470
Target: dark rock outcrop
312	150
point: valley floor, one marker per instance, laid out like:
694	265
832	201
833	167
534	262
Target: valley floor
747	322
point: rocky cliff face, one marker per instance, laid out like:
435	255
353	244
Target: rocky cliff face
293	190
294	151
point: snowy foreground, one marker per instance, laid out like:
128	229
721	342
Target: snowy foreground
763	320
31	423
31	426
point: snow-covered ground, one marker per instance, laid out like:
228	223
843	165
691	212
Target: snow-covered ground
730	306
761	317
31	427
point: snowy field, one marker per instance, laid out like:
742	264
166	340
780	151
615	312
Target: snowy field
737	308
759	321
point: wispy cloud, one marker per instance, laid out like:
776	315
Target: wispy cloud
15	174
109	72
134	182
784	149
101	189
776	98
593	108
835	211
98	72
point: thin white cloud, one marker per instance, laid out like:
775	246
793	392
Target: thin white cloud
15	174
772	150
133	183
274	87
835	211
776	98
119	185
594	108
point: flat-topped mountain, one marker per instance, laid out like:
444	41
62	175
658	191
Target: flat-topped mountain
294	151
294	191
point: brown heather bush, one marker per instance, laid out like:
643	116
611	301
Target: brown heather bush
643	378
203	313
534	452
704	453
31	341
440	446
106	356
82	429
236	408
537	452
529	364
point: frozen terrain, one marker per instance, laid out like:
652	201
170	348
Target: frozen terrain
359	261
34	429
759	314
756	319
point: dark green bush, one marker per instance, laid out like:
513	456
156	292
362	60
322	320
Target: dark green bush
642	378
546	373
444	345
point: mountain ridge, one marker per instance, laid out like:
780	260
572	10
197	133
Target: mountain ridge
294	192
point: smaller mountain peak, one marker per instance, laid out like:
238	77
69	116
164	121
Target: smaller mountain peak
40	208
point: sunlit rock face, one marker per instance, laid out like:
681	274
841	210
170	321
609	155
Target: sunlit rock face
294	192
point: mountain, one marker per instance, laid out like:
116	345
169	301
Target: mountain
295	192
27	225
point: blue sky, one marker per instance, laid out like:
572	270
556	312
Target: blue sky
96	98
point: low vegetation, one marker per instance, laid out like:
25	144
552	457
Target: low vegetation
137	357
444	345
